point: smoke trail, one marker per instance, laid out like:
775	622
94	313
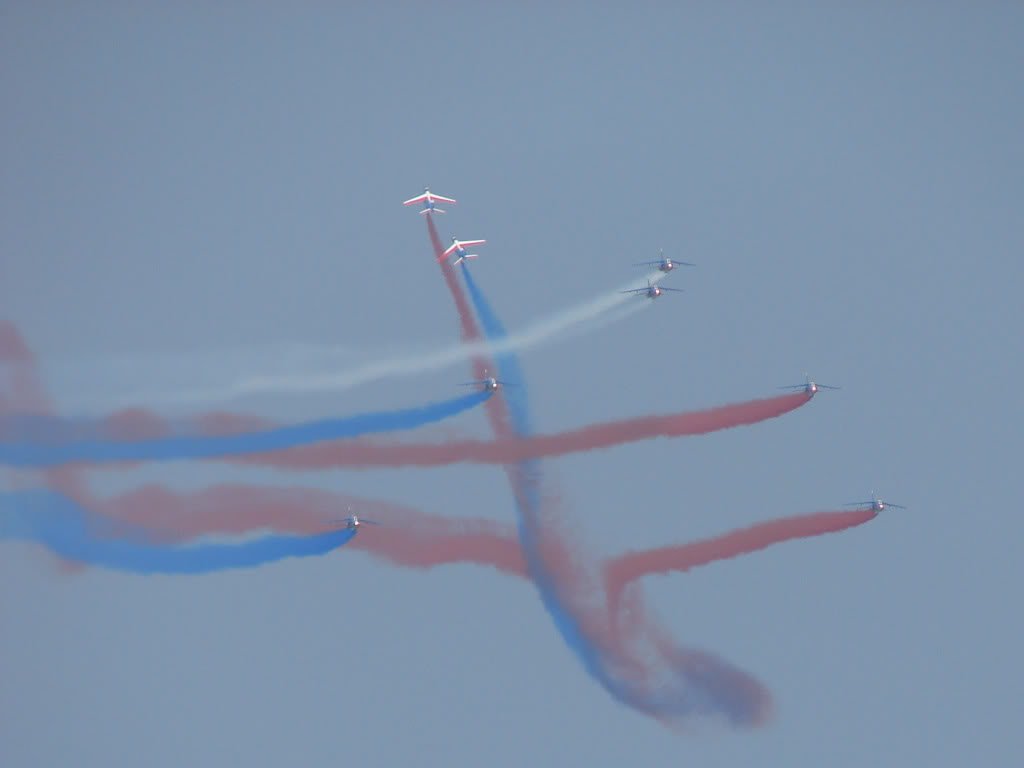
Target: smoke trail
365	453
513	448
526	479
408	536
650	673
619	642
508	362
626	569
97	451
72	532
584	317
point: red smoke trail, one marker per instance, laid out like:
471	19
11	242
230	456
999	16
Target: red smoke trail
626	569
368	452
509	449
469	331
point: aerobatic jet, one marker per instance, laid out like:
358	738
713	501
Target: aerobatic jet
810	387
665	264
486	384
458	247
652	291
428	199
353	522
876	504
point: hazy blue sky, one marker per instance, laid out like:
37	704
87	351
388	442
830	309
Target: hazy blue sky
183	186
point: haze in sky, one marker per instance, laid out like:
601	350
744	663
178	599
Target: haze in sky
195	195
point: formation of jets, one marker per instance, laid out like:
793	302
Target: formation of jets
652	291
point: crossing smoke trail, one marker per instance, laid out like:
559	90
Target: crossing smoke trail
649	672
161	517
642	667
561	579
72	532
97	450
555	570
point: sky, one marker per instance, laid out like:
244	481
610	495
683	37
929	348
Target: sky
194	196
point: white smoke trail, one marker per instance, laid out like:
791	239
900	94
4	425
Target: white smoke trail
572	321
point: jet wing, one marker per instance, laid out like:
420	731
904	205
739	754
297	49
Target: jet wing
636	290
442	199
423	197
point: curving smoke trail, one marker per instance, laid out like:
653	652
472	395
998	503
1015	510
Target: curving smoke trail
78	535
643	669
641	666
559	578
97	450
623	571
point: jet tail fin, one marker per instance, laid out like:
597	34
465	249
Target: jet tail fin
432	210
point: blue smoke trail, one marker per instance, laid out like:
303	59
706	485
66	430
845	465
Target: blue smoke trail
74	533
508	362
96	451
679	692
528	495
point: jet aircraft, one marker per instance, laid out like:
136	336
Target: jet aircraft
486	384
665	264
875	503
353	522
652	291
428	198
458	247
810	387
